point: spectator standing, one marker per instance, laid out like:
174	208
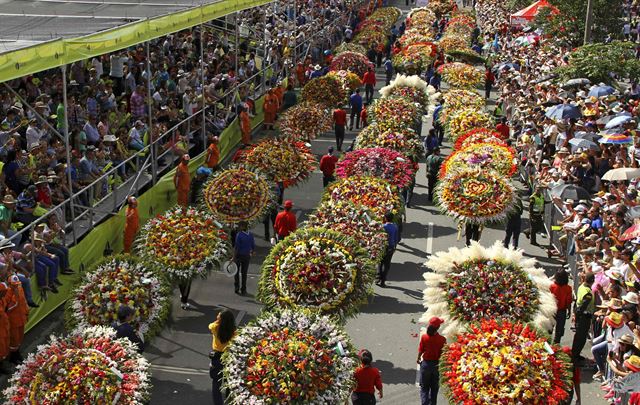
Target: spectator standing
328	167
393	237
369	81
286	221
340	120
222	331
355	102
429	352
182	181
243	250
116	73
368	379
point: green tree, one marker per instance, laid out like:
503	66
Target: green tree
598	62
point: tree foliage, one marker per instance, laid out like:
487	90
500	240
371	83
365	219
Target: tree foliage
602	63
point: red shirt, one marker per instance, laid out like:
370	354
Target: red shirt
286	223
328	165
563	295
368	378
431	346
503	129
363	117
369	78
340	116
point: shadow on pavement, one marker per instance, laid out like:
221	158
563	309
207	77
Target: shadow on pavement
169	391
395	375
381	304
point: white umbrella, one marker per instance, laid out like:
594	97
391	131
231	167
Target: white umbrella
621	174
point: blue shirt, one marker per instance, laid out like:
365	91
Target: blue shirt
388	66
356	101
436	112
393	236
244	243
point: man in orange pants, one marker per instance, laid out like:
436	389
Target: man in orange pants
182	181
270	108
131	224
245	127
213	154
18	312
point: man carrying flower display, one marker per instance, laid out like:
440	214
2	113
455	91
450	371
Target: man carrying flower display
182	181
18	313
286	221
245	126
393	237
429	352
270	108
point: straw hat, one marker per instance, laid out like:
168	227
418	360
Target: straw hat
627	339
614	320
631	298
633	363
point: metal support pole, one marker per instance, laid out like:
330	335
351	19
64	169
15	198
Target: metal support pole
295	34
264	58
235	46
33	110
68	150
588	22
202	77
152	149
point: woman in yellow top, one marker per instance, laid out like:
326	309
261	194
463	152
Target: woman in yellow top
222	330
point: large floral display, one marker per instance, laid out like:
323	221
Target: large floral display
414	36
377	194
460	75
184	242
452	43
465	120
500	362
458	99
474	283
351	61
352	220
484	156
412	88
478	135
475	195
418	54
305	121
317	269
290	357
397	109
282	161
378	162
350	47
349	80
113	282
420	17
402	140
90	366
325	90
236	195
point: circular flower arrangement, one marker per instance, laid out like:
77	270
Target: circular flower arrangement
404	141
351	61
499	362
350	81
386	15
282	161
461	25
289	357
113	282
411	88
325	90
185	242
450	43
350	47
378	37
481	156
415	35
394	109
420	17
305	121
236	195
458	99
465	120
90	366
479	135
422	54
377	194
378	162
352	220
318	269
474	283
475	196
461	75
442	7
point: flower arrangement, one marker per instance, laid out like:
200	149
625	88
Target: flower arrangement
394	109
460	75
352	220
465	120
412	88
318	269
351	61
305	121
401	140
282	161
386	15
350	47
500	362
421	17
369	37
450	43
325	90
462	26
185	242
385	163
485	156
442	7
88	366
407	63
421	53
289	357
236	195
115	281
474	283
349	80
415	35
478	135
372	192
459	99
475	195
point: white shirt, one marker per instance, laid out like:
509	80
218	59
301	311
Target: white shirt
33	135
97	65
117	66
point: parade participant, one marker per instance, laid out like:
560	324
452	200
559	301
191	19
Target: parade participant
18	312
270	109
364	114
286	221
369	81
125	330
245	126
472	231
513	225
355	102
202	175
131	224
393	237
433	163
368	379
212	158
289	98
429	352
563	293
243	250
583	313
340	120
4	324
182	181
222	331
328	167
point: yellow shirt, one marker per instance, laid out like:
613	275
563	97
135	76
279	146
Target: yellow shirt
216	345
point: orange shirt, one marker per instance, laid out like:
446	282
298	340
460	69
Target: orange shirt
245	125
271	103
183	177
563	294
213	156
132	222
18	310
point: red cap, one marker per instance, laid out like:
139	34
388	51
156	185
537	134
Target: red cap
288	204
436	322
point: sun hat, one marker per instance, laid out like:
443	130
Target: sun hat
41	180
436	322
631	298
613	274
8	199
633	363
627	339
110	138
614	320
6	243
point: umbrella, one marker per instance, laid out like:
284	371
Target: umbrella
616	139
617	121
563	111
545	78
590	136
599	91
506	65
631	233
566	191
606	119
621	174
634	212
576	83
583	143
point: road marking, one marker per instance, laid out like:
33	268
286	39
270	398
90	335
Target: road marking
239	317
430	238
180	370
